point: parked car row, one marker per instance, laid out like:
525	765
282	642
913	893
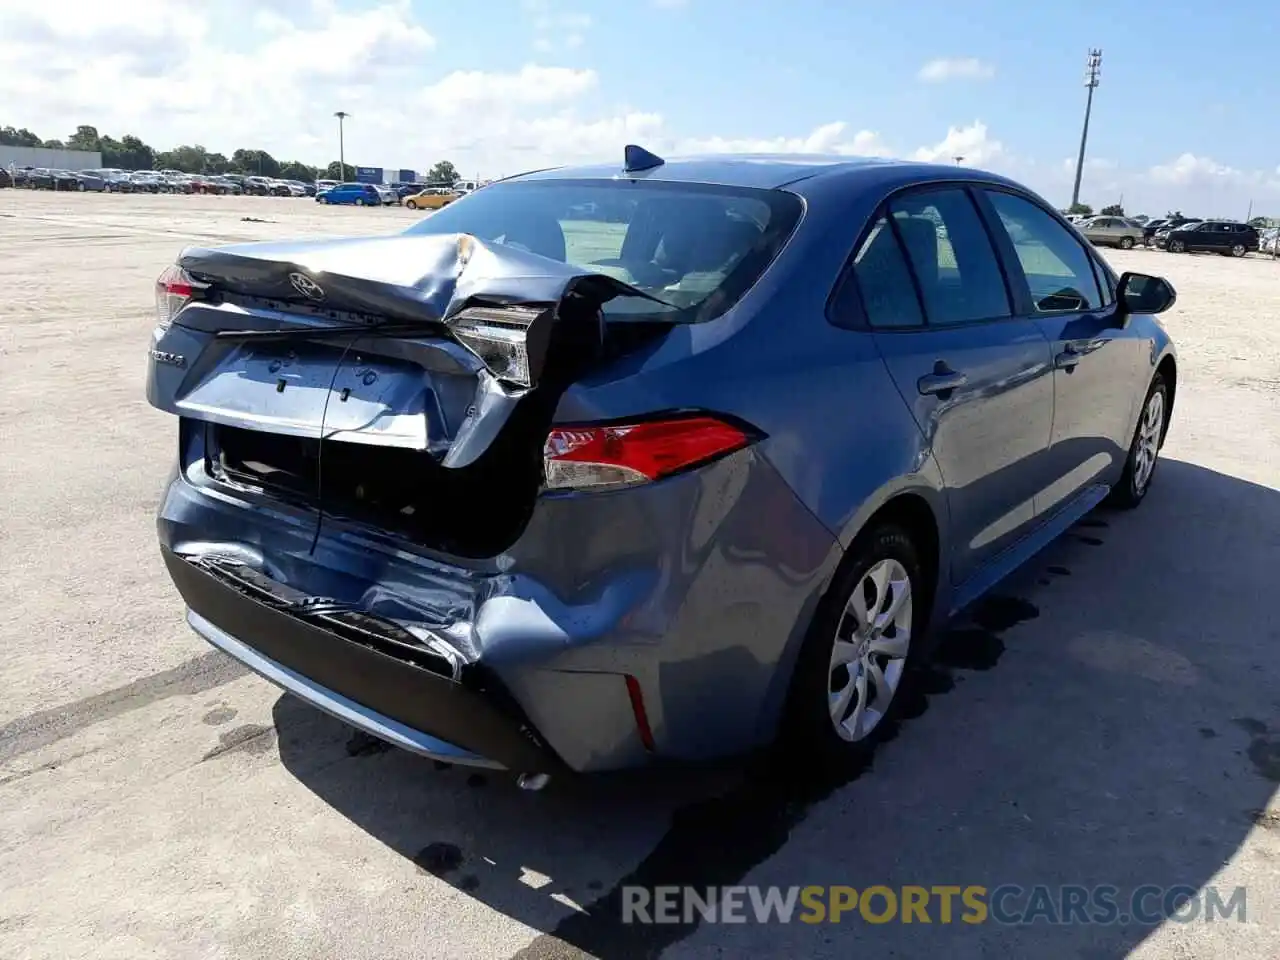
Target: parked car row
1174	234
42	178
415	196
114	180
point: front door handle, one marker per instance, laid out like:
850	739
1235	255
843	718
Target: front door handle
942	380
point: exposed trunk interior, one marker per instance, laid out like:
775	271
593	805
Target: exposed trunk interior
474	511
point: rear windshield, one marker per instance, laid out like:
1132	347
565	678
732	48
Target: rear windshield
698	248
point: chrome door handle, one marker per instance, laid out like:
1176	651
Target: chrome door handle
941	381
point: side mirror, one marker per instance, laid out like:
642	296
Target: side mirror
1141	293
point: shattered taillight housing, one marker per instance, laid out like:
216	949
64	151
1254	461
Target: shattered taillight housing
497	336
175	288
608	456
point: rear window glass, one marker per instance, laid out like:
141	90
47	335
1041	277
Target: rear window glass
696	247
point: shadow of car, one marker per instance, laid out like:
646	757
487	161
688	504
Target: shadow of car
1127	737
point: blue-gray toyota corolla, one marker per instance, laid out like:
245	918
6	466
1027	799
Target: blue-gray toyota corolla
650	461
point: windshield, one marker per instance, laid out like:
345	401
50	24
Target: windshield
696	247
1189	225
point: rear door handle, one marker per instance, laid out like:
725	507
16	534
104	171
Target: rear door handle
942	380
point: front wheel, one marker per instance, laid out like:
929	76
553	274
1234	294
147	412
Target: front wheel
866	634
1148	437
1238	250
1177	246
412	204
1126	243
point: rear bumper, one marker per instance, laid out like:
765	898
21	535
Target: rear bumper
459	720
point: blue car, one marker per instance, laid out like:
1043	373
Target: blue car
357	194
651	461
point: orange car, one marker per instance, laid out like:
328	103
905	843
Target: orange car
431	199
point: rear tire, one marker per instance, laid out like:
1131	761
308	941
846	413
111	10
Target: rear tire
1238	250
412	205
1126	243
846	688
1177	246
1144	449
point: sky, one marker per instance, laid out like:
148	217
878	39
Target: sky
1181	119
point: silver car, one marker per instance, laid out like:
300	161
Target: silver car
1111	231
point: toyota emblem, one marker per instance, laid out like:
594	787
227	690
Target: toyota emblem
306	286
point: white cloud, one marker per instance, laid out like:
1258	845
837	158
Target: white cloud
172	73
955	68
828	138
971	144
1188	169
555	28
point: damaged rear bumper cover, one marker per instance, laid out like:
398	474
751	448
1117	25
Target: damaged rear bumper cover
358	670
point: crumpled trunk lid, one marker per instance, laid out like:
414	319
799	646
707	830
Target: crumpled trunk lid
374	377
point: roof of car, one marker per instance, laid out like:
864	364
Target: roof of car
761	170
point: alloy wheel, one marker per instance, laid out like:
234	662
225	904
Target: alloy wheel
1238	250
869	654
1150	431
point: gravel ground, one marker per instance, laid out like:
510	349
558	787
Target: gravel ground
1113	718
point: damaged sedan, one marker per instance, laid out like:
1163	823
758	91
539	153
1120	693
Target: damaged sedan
653	461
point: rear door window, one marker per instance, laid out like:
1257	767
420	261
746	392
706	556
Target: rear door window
884	280
951	256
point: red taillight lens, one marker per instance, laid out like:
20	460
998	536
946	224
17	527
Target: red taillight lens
620	455
174	290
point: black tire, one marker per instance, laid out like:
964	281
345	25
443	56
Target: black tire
1126	243
808	733
1128	492
1238	250
1177	246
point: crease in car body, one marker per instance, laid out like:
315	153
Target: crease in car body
507	489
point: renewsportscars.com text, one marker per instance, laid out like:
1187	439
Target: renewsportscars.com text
1009	904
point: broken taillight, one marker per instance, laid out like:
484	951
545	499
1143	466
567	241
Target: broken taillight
625	454
511	340
174	290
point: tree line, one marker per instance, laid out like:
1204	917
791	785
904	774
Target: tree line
130	153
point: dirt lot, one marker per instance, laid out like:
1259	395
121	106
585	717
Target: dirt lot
1116	719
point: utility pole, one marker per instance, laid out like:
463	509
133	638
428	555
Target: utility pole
958	160
342	154
1092	69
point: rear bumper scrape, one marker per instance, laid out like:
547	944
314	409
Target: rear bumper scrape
356	670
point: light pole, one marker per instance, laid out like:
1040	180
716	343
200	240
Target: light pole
1092	69
342	155
958	160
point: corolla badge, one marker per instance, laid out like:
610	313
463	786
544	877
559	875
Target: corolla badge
306	286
